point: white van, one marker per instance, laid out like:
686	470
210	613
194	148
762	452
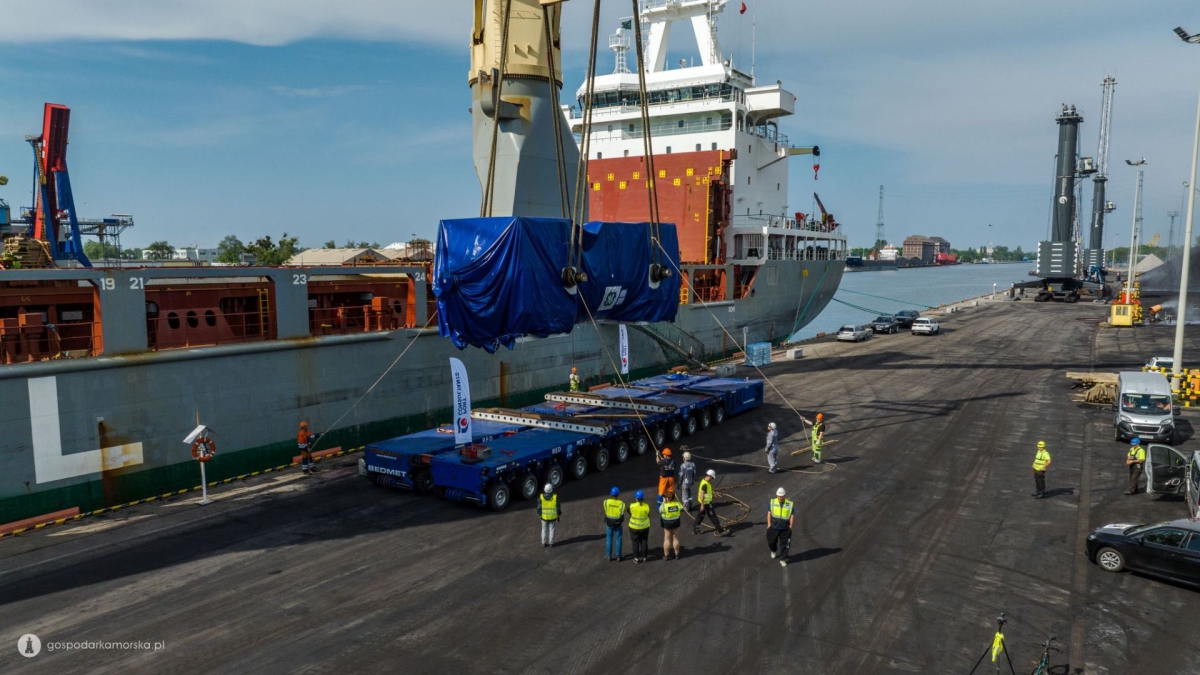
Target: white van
1143	408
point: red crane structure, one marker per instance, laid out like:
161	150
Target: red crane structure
52	188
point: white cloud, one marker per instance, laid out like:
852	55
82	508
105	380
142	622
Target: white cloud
318	92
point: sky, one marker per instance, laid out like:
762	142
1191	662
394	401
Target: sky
205	118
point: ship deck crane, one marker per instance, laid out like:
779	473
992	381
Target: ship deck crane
52	188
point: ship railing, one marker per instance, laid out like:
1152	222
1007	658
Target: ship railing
183	329
631	101
356	319
49	342
657	130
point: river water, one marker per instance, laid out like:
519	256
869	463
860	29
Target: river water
915	288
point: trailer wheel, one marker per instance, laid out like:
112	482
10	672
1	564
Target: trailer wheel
705	419
527	486
719	414
676	431
621	451
660	437
599	458
553	475
641	444
577	467
691	426
423	481
497	496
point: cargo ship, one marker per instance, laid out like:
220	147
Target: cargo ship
105	370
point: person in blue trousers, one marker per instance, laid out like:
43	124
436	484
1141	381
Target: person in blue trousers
614	519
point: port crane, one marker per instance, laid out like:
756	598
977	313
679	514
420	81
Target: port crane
52	188
1095	255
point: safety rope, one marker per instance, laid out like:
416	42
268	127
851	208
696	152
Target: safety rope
647	144
796	323
371	388
489	188
903	302
860	308
556	116
575	255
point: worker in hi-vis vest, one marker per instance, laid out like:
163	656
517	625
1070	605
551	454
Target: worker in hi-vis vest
614	521
639	527
781	517
818	437
707	508
1135	460
549	511
574	378
669	513
1041	462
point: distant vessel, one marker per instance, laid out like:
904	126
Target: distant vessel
104	370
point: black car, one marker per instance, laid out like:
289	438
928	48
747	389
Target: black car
1169	550
906	317
885	324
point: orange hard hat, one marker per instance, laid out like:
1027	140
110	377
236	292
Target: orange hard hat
666	452
304	425
820	416
574	369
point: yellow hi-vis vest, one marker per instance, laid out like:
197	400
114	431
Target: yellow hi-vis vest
1041	460
1137	453
549	507
639	516
614	510
706	491
817	430
670	511
780	513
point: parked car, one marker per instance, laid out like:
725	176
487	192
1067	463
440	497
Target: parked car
885	324
1170	550
852	333
906	317
1167	362
925	326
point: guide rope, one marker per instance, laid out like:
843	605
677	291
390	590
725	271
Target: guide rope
796	323
489	188
881	297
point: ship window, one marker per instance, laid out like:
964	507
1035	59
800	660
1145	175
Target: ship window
680	124
668	149
714	146
747	180
750	149
708	121
192	321
697	147
777	186
599	155
631	128
626	153
210	318
610	127
173	320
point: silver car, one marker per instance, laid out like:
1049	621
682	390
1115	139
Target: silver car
853	333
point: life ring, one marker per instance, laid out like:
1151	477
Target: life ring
203	449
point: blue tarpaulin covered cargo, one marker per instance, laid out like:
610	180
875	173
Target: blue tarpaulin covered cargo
617	259
497	279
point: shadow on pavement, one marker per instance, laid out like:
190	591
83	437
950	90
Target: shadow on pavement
814	554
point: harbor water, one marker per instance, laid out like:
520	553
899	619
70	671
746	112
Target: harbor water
915	288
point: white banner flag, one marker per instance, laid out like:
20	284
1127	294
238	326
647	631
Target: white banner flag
624	350
461	389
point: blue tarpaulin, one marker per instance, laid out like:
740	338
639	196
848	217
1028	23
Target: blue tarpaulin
497	279
617	259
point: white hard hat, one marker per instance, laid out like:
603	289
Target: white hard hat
780	492
771	425
549	488
687	456
711	473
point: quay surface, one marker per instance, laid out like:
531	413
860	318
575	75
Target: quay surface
908	544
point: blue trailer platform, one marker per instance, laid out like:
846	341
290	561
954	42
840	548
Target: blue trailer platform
516	451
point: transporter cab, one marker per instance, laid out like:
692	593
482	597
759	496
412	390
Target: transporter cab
1144	408
516	451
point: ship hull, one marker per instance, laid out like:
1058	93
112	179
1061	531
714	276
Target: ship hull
97	432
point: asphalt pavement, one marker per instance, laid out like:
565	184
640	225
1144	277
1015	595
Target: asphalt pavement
909	542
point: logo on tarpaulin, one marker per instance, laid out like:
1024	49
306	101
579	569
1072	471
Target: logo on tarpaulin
613	296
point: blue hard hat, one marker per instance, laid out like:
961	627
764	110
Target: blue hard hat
1136	441
639	494
615	491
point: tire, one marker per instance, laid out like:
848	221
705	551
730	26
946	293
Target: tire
553	475
423	481
577	468
691	426
599	458
498	496
660	437
620	451
705	419
1110	559
641	444
719	414
526	487
675	431
1117	433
